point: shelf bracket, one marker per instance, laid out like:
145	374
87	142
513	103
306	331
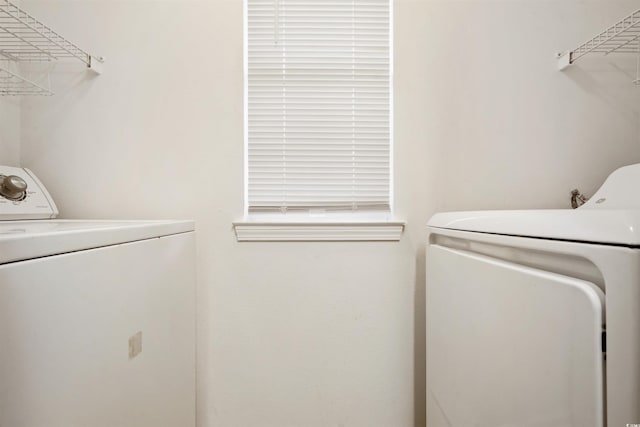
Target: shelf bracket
96	64
564	60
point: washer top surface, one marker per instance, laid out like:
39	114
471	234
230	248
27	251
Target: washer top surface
22	240
611	216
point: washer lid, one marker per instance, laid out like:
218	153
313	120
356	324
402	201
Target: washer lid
21	240
611	216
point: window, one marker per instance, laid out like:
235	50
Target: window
318	106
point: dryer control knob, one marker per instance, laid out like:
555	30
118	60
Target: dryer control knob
13	187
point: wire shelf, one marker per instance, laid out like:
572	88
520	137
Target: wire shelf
23	39
622	37
14	84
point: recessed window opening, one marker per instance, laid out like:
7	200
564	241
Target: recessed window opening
318	96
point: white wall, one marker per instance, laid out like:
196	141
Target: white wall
518	133
10	108
10	131
316	334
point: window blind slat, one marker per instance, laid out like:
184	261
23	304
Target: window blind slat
318	113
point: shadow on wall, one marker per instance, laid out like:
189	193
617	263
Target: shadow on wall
609	81
10	130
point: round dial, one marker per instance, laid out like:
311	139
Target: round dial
13	187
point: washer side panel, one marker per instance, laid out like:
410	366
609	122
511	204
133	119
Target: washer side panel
101	338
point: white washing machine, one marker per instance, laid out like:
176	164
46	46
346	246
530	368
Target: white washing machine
97	318
533	317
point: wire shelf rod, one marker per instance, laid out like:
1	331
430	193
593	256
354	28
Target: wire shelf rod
22	39
14	84
624	44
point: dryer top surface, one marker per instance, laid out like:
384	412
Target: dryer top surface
616	227
611	216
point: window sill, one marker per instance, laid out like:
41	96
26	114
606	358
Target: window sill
319	231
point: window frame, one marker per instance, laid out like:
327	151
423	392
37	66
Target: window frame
318	225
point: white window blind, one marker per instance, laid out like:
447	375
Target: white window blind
318	105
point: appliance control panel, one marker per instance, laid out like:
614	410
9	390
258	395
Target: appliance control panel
22	196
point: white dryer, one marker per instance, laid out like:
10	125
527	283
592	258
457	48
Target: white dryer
533	317
97	318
